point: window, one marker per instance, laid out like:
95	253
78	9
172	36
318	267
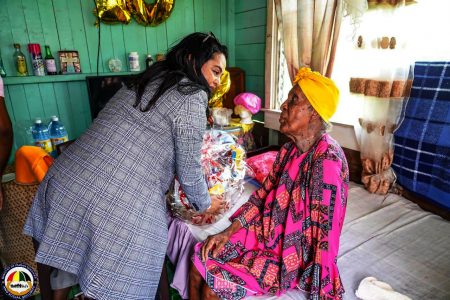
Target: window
277	81
426	40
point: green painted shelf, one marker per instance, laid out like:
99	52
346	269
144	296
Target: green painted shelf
13	80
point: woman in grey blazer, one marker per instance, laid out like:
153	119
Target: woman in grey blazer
99	216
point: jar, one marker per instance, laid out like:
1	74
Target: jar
133	60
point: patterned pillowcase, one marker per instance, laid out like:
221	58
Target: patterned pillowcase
261	165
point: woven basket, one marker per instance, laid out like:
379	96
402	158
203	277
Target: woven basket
15	247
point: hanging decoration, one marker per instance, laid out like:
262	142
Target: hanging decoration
150	14
120	11
112	11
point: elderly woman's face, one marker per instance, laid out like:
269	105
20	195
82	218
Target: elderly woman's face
296	113
213	69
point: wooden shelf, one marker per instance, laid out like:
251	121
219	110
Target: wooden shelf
14	80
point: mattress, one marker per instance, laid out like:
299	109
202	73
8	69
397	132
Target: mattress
394	240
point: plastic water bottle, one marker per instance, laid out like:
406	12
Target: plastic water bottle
58	133
41	136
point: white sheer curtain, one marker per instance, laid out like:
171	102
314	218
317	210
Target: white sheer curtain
381	71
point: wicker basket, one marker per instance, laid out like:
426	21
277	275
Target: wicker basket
15	247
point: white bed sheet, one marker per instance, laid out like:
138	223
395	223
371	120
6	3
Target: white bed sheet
387	237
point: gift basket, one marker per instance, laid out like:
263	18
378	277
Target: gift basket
223	163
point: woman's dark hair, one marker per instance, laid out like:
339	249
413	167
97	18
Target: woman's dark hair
185	59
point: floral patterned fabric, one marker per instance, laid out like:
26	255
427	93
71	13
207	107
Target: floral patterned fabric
291	229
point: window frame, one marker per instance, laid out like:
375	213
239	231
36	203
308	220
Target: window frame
271	115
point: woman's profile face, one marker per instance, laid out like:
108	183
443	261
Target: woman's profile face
213	69
296	112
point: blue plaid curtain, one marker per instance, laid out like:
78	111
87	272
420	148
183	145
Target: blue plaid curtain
422	143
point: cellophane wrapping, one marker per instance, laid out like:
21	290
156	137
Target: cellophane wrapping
223	164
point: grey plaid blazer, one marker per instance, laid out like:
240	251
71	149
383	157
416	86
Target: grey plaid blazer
100	212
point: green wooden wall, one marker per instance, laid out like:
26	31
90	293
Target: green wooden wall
250	37
69	25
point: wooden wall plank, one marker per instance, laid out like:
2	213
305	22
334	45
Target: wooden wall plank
85	107
19	103
251	35
250	31
181	22
22	119
48	99
249	5
33	23
6	43
12	117
135	38
49	29
62	11
212	16
252	51
64	107
199	14
18	28
8	103
69	25
118	47
161	38
76	107
152	42
79	35
106	46
230	7
91	32
255	84
33	98
251	18
252	67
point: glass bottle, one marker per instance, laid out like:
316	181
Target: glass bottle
20	61
2	68
148	61
49	61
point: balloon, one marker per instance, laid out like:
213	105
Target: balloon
120	11
112	11
150	14
224	87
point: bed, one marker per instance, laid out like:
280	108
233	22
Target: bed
387	237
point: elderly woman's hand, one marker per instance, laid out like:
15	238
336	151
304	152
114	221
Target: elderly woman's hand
217	241
214	243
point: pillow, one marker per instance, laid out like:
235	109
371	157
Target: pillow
261	164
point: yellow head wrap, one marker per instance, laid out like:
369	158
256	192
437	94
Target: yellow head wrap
321	92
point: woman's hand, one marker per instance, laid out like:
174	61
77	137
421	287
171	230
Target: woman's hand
217	205
217	241
214	243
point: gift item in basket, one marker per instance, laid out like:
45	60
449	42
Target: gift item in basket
223	163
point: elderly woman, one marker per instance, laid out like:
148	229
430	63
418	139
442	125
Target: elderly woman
287	235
